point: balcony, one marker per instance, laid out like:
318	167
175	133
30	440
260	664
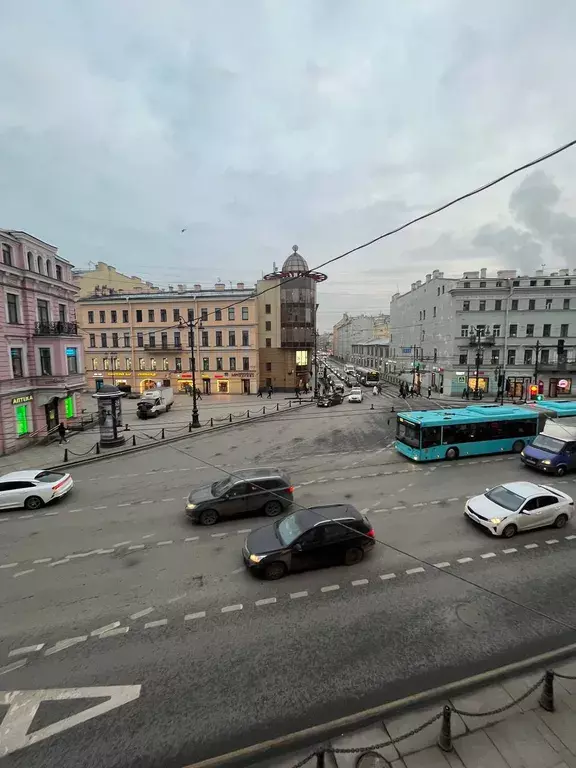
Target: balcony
566	364
162	347
59	328
23	383
484	341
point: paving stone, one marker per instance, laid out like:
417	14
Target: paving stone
374	734
289	762
483	700
433	757
397	726
517	686
566	669
521	743
477	751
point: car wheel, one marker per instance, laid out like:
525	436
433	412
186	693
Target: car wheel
274	571
452	453
33	502
272	508
208	517
518	446
560	471
509	531
353	555
560	521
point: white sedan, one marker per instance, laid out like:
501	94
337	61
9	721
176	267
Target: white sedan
511	507
355	395
33	488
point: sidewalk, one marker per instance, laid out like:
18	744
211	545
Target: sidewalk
500	726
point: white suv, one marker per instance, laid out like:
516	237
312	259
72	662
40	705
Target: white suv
355	395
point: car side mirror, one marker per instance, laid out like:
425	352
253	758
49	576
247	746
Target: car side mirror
297	547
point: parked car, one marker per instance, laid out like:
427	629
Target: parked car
248	491
335	398
355	395
336	534
33	488
520	506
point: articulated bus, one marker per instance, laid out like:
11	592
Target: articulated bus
555	409
367	376
471	431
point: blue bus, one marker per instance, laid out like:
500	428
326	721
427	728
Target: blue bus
471	431
555	409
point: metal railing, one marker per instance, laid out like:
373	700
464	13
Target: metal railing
58	328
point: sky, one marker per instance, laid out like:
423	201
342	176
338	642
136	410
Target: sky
259	124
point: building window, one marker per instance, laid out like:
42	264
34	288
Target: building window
567	281
40	265
204	340
219	366
245	339
245	363
178	364
62	313
268	325
481	307
163	316
498	283
514	304
115	340
244	313
48	268
102	315
91	318
434	311
13	305
443	288
113	316
152	363
530	330
533	282
7	254
268	342
205	363
268	309
175	314
531	304
527	357
150	315
58	272
496	330
231	313
204	314
124	315
126	339
177	340
138	315
546	282
151	339
128	363
165	365
515	283
463	359
43	314
30	257
103	340
546	330
164	340
511	357
141	364
423	314
544	355
231	338
72	360
498	305
139	339
466	306
548	303
438	291
464	331
466	285
566	304
17	362
218	338
482	284
513	330
92	340
218	314
564	330
495	357
268	367
45	361
232	364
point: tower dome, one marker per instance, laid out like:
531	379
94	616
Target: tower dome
295	262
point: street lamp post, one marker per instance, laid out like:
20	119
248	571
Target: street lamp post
315	354
191	325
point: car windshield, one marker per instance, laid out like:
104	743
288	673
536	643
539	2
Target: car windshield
290	528
355	391
49	477
505	498
220	487
550	444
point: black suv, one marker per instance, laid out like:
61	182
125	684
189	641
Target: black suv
336	534
248	491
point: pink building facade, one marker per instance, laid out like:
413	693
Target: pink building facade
41	354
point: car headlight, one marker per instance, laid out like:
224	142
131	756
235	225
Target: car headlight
496	520
522	453
256	558
190	506
545	461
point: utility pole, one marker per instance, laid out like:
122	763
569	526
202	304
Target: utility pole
478	362
536	362
191	323
315	354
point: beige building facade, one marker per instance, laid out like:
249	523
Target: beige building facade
105	279
141	340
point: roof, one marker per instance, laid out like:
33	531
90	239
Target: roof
25	474
258	472
231	293
471	414
523	488
559	407
321	514
295	262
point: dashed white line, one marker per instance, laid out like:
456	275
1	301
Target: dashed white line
296	595
106	628
441	565
26	650
569	538
465	560
105	551
42	560
192	538
530	546
114	632
148	501
218	535
244	530
509	551
552	541
13	666
9	565
148	535
331	588
420	504
414	570
23	573
100	507
164	543
266	601
80	509
435	502
454	498
51	514
192	616
402	506
126	504
360	582
386	576
487	555
63	644
176	599
230	608
123	543
136	546
25	517
167	499
141	614
158	623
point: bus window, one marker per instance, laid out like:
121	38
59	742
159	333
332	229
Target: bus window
431	436
408	433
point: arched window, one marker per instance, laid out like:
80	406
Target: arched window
7	254
48	268
40	265
30	261
58	272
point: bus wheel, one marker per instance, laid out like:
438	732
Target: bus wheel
518	446
452	453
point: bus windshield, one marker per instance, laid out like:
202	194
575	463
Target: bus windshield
408	433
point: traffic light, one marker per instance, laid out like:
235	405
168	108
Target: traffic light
539	397
417	366
533	391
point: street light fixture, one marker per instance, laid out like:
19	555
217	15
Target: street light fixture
192	324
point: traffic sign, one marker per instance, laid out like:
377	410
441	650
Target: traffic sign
23	706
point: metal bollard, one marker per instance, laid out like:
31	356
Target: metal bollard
126	427
97	449
133	439
211	422
162	438
371	406
546	699
247	414
392	410
189	426
230	419
65	454
263	410
320	759
445	737
277	406
289	403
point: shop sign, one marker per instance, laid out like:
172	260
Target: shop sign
562	384
22	399
220	375
406	350
205	376
243	374
185	376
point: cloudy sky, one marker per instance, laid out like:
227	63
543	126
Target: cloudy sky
257	124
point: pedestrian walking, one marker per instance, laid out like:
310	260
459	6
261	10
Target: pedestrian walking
62	433
465	393
375	390
412	391
429	391
259	394
297	392
270	391
198	394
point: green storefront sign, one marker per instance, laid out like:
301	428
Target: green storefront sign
69	406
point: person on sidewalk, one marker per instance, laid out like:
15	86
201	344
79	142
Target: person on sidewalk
270	392
429	391
259	394
62	433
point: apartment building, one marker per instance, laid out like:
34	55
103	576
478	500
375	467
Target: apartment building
356	331
488	332
373	354
141	340
41	357
104	279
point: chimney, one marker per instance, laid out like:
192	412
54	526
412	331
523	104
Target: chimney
197	287
413	287
170	288
440	274
564	272
435	273
539	272
483	272
418	283
240	286
220	286
469	275
428	278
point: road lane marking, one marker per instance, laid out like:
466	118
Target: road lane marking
229	608
164	543
25	517
148	535
218	535
157	623
331	588
26	650
360	582
414	570
441	565
192	616
51	514
9	565
530	546
552	541
105	551
363	511
42	560
569	538
149	501
465	560
454	498
435	502
123	543
100	507
509	551
13	666
487	555
80	509
114	632
296	595
244	530
192	538
176	599
266	601
400	507
63	644
386	576
136	546
126	504
23	573
140	614
420	504
106	628
167	499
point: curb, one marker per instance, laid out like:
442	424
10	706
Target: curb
310	737
167	441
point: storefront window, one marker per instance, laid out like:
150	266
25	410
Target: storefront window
69	407
22	419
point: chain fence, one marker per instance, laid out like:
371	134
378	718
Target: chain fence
444	740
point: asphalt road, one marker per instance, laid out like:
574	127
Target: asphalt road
118	589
